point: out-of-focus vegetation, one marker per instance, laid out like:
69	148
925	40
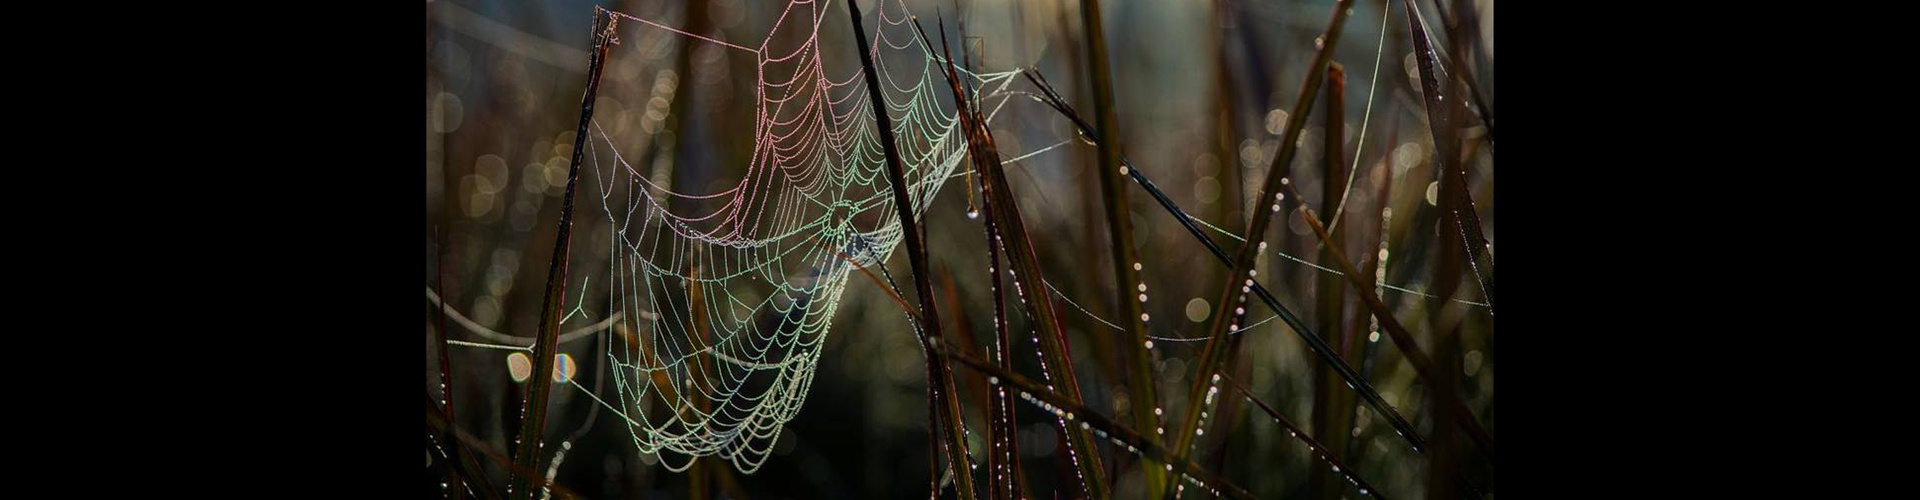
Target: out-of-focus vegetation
1202	93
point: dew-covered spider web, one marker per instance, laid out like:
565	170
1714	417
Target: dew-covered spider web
730	292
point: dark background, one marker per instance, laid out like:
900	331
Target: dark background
1199	86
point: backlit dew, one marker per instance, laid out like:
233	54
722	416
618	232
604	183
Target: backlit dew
1144	317
1149	344
1136	266
973	214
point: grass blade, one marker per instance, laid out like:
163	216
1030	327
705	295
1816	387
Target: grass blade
1457	198
534	414
1230	313
1003	450
940	379
1120	233
1069	408
1422	365
437	421
466	468
1325	452
1329	419
1293	321
1010	231
1460	32
1004	215
1374	271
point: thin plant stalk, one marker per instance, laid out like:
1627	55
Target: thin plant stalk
1293	321
1322	450
940	379
437	421
1230	312
1329	421
1069	409
1056	363
1423	365
1453	175
1126	260
540	386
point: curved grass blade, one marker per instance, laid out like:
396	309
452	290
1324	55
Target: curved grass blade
1459	198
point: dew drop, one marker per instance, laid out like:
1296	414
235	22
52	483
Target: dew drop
973	214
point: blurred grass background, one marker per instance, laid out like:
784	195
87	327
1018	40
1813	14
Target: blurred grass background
1202	89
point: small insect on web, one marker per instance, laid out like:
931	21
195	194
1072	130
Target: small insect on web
736	287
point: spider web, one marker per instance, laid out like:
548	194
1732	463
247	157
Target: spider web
734	303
